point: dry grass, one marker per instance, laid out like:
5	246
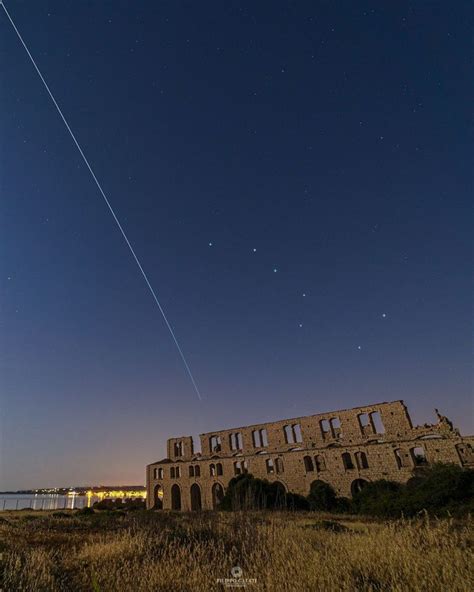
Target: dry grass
163	552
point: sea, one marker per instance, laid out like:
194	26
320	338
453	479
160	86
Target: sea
48	501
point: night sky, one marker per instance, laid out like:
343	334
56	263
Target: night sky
294	177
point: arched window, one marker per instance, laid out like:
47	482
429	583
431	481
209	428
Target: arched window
361	459
217	493
293	433
215	443
197	471
160	473
191	471
219	469
178	449
175	497
398	457
260	438
212	470
376	421
279	465
363	420
158	497
358	485
335	424
257	443
347	461
235	441
177	472
319	462
298	437
324	426
172	473
289	437
308	464
195	497
270	465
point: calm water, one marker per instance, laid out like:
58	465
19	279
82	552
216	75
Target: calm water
16	501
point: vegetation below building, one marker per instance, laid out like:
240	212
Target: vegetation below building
116	551
441	490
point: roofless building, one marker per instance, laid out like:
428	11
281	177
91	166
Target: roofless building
345	448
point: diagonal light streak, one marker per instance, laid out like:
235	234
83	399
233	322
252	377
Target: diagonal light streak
102	192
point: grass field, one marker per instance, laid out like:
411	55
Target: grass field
166	552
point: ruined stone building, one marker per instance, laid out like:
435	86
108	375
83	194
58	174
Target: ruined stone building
344	448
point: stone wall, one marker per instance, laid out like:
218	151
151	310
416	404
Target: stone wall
344	448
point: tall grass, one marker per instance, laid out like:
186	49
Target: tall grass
164	552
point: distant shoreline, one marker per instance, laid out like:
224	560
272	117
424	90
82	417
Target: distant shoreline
78	490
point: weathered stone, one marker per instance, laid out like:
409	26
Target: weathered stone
344	448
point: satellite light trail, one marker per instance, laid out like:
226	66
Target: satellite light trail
102	192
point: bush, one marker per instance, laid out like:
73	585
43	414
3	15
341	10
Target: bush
438	489
245	492
294	501
106	504
321	496
379	498
120	504
85	511
343	505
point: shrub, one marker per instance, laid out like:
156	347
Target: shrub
294	501
245	492
343	505
105	504
321	496
379	498
438	489
85	511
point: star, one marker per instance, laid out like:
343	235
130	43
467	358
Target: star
254	250
301	324
359	347
304	294
384	315
275	270
210	244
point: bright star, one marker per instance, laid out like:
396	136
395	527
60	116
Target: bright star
384	315
210	244
275	270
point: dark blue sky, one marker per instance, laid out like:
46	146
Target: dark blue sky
330	137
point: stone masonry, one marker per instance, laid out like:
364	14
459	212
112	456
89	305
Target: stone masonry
344	448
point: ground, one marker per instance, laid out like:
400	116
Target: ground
277	552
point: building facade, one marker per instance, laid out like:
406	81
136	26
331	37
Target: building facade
345	448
